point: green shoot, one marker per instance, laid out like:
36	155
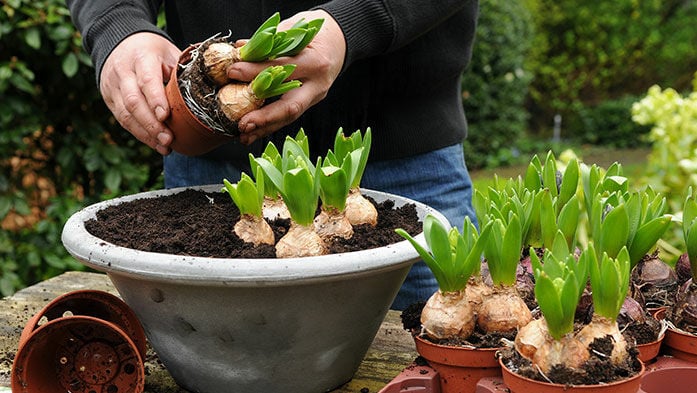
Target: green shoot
272	155
502	249
247	194
452	257
272	82
268	43
335	179
344	145
297	181
559	284
635	220
609	281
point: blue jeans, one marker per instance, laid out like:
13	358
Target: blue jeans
438	179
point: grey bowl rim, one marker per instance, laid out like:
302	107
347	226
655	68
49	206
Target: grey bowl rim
112	259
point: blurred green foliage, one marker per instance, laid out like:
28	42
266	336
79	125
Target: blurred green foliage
60	149
588	52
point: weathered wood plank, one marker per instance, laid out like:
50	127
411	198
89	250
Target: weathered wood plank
391	351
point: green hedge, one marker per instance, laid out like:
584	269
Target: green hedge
496	83
60	148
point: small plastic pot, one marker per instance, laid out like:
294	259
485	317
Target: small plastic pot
519	384
675	380
649	351
98	304
78	354
191	136
459	368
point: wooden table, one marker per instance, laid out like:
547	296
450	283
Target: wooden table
392	349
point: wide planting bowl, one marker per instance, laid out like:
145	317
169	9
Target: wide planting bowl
253	325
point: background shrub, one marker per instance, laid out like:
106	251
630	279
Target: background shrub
495	84
587	52
610	124
60	148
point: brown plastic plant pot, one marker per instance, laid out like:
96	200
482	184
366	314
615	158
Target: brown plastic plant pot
675	380
519	384
191	136
681	345
78	354
93	303
649	351
459	368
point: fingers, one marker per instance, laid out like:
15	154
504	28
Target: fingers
132	85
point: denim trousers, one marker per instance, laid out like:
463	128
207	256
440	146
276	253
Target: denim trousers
438	179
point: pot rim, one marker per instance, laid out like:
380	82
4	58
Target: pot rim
107	257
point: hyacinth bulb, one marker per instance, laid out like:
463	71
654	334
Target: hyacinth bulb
236	100
217	58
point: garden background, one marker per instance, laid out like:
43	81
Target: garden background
608	79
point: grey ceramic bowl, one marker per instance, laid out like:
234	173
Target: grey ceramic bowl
253	325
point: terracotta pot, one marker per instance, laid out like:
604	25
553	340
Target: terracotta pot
675	380
519	384
676	343
681	345
649	351
191	136
459	368
97	304
79	354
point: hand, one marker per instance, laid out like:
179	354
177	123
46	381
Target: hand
318	65
132	84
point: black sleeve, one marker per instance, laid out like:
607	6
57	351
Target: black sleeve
373	27
104	24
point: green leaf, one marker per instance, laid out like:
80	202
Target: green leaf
569	183
70	65
300	194
32	37
568	220
334	186
549	302
614	231
646	238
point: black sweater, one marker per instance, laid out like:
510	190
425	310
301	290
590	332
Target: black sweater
401	75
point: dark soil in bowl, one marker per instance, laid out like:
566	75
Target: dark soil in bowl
198	223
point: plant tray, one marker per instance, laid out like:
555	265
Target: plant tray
666	373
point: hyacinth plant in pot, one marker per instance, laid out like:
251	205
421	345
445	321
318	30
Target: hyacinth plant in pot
206	104
619	217
568	357
221	317
445	330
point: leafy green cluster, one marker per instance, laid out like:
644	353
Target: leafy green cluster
268	43
247	194
619	217
301	183
528	212
559	284
609	281
271	81
453	257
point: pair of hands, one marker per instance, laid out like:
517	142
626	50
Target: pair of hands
133	77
